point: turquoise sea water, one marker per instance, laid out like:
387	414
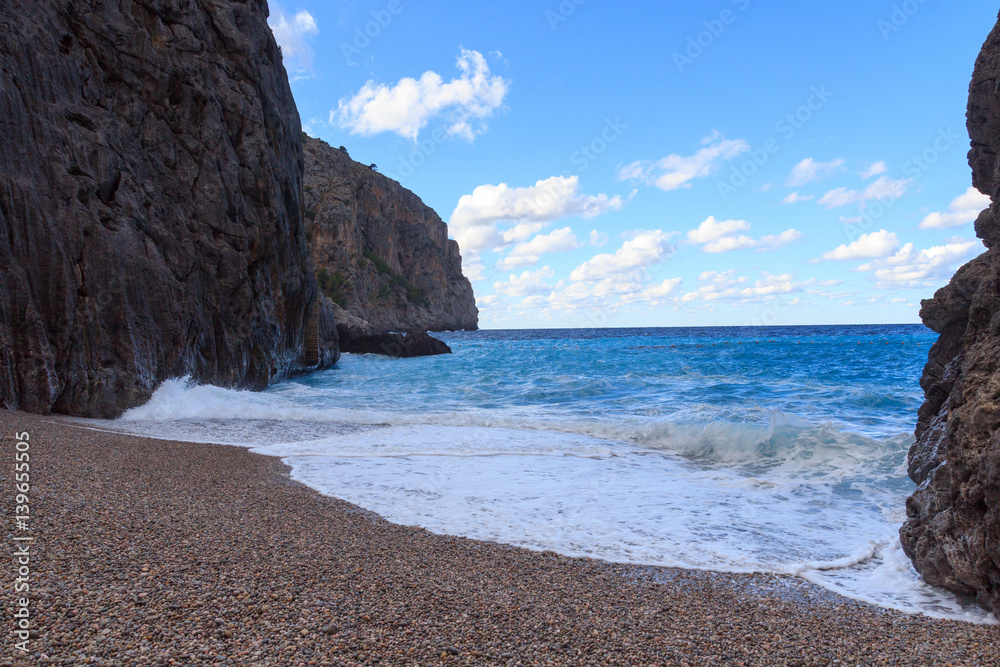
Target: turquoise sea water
734	449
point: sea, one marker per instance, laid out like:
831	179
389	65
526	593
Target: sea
776	449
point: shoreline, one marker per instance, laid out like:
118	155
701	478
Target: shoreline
191	552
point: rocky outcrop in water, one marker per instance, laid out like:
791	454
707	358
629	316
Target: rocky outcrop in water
359	337
150	202
416	344
952	532
379	251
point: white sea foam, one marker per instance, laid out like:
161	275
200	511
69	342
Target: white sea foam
790	497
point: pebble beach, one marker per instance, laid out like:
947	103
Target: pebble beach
150	552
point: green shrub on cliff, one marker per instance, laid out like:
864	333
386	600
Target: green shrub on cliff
413	293
333	286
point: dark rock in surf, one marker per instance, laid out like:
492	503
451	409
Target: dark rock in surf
416	344
952	531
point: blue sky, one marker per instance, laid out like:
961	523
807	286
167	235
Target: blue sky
727	162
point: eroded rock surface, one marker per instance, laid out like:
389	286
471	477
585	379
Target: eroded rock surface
952	532
150	202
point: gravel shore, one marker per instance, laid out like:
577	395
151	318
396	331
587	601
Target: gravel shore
156	552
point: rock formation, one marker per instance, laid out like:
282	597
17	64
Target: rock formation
952	532
380	252
150	202
416	344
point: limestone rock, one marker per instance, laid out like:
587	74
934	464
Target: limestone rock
379	250
150	202
952	532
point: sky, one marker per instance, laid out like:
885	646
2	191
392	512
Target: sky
619	164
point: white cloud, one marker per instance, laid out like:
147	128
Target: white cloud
292	34
528	283
487	301
717	236
884	189
776	241
795	198
643	251
521	232
473	268
963	210
729	243
868	246
611	293
677	171
924	268
606	282
406	107
711	230
530	252
876	169
810	170
475	222
598	238
661	290
726	286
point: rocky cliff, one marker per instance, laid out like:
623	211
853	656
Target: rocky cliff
150	202
952	532
379	252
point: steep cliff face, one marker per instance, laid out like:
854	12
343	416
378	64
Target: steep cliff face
381	253
150	202
952	532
